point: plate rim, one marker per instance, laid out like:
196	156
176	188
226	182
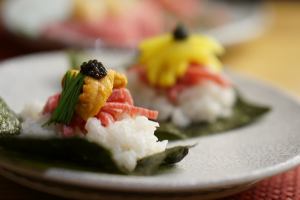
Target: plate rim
59	190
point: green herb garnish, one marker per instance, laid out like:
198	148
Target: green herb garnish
68	99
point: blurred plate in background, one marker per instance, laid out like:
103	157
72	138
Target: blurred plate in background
77	23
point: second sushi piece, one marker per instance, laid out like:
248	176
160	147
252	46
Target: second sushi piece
180	75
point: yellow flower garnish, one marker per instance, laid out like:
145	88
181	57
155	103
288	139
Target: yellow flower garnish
167	59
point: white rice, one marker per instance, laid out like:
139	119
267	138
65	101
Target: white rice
129	139
205	102
33	120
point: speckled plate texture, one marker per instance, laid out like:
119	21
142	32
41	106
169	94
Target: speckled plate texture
223	163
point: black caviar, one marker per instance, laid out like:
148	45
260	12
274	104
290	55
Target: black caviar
180	32
94	69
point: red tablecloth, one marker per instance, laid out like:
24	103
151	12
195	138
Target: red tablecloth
285	186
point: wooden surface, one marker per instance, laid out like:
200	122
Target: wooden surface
273	57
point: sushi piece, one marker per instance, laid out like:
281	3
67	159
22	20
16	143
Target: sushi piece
180	75
93	120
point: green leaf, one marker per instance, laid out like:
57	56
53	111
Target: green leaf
244	113
71	150
9	122
151	163
167	131
77	153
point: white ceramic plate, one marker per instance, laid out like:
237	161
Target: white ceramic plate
219	165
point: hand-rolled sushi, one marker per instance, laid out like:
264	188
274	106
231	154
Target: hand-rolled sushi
180	75
94	106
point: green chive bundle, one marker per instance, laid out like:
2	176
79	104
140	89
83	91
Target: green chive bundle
69	97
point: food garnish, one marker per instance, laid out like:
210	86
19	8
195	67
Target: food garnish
68	98
166	58
180	33
85	91
94	69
